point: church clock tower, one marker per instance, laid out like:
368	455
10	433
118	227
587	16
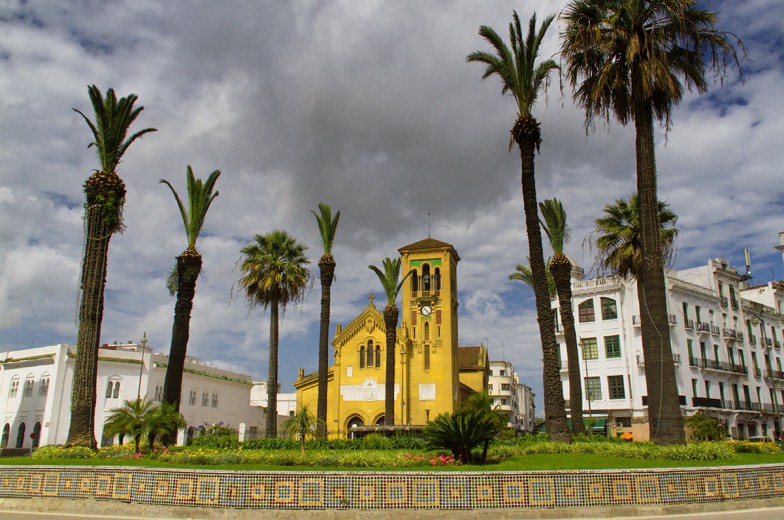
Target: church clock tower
430	371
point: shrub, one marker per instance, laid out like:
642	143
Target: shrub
217	436
62	452
703	428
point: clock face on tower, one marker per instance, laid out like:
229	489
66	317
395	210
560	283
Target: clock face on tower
426	310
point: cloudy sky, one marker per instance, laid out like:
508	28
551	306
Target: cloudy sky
368	106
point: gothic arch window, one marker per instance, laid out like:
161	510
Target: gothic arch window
116	392
437	279
43	390
370	353
378	356
6	434
12	391
362	356
109	387
36	435
425	279
414	281
28	386
20	433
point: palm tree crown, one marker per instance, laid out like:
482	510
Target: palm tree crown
630	51
200	197
618	236
113	118
327	226
389	278
520	74
274	269
523	274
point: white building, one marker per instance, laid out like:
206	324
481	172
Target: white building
726	344
510	396
35	392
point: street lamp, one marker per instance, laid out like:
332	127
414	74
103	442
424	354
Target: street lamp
143	345
402	384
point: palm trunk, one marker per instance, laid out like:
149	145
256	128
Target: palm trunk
327	271
272	381
188	269
391	313
664	411
83	393
562	275
526	134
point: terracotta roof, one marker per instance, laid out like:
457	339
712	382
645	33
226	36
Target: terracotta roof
427	243
468	357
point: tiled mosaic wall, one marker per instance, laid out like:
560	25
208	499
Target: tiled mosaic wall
469	490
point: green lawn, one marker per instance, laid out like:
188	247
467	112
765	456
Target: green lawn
536	462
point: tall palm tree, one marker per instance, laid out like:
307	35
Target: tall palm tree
632	59
389	281
618	237
133	418
554	225
184	275
327	228
523	274
525	77
274	275
104	199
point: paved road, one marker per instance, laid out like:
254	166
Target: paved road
773	513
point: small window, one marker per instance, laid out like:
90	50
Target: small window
615	387
116	392
14	389
612	346
593	388
426	331
205	399
28	387
109	388
590	350
370	353
609	309
585	312
43	390
414	281
158	393
192	398
425	278
623	422
506	387
362	356
378	356
437	279
214	400
427	357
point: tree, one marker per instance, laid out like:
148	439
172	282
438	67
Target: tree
525	79
618	237
130	419
560	267
389	281
184	275
163	422
523	274
483	404
631	58
302	424
327	228
104	199
274	275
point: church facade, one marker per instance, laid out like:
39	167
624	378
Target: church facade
427	355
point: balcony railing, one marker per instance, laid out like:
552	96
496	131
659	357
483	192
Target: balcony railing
706	402
676	360
671	319
721	366
733	334
748	405
723	300
757	372
703	326
752	339
715	330
775	374
776	344
768	342
688	324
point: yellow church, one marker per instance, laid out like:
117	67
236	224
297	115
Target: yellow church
433	374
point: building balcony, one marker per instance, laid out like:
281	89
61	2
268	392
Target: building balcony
734	304
775	374
733	334
688	324
757	372
719	366
706	402
715	330
724	301
768	407
703	326
768	342
671	319
748	405
676	360
752	339
776	344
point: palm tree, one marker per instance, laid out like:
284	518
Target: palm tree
327	228
133	418
632	59
184	275
525	79
523	274
389	281
560	267
618	237
164	421
104	199
301	425
274	275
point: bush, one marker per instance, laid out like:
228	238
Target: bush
217	436
62	452
705	428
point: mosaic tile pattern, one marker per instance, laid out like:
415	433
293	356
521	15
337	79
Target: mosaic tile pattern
474	490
